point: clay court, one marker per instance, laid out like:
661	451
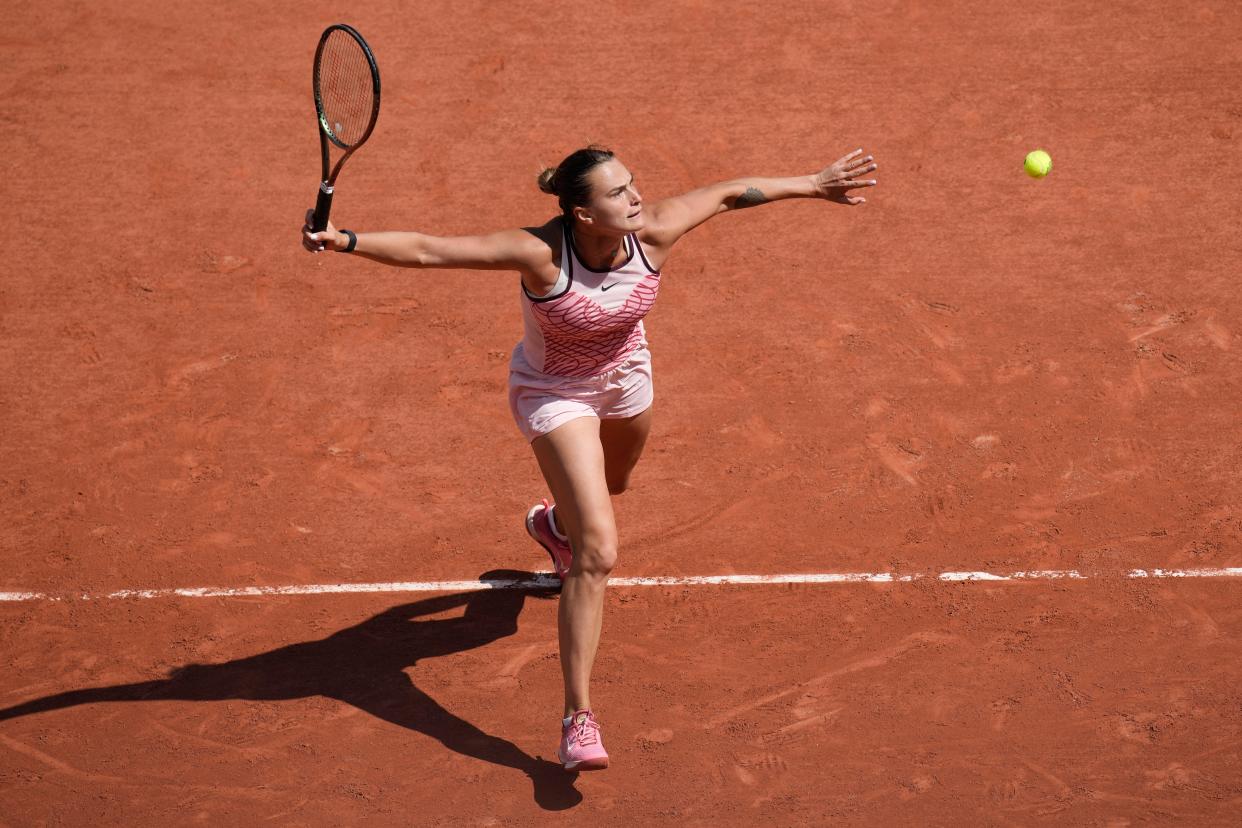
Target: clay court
975	372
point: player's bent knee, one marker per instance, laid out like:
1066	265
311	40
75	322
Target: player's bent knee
597	559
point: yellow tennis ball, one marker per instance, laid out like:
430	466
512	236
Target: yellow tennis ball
1038	164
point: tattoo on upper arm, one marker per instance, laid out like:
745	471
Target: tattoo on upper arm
753	197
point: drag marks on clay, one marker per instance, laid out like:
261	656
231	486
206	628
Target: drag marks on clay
1173	362
507	674
929	318
1062	794
720	512
371	321
1006	470
191	371
1147	354
757	769
1143	728
876	407
1169	320
1185	329
271	750
263	293
985	441
912	642
813	712
1081	483
933	319
1217	334
134	447
903	458
915	786
1018	367
347	461
1002	710
651	738
798	730
84	336
948	372
1199	621
56	764
759	433
1176	777
384	307
226	263
1169	346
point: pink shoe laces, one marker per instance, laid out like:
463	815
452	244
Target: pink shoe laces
584	730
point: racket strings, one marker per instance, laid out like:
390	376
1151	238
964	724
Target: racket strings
346	88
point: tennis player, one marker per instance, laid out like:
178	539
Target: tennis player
580	382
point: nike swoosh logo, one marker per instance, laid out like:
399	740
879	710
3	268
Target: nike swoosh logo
606	287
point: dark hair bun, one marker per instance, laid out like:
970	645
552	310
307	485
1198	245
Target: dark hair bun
570	180
547	181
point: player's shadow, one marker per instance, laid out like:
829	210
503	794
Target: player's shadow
365	666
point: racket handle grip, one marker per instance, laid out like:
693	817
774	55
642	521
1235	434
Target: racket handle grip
323	206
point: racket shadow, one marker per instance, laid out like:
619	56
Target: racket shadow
365	666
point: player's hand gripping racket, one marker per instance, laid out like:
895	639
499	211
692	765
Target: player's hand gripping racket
347	99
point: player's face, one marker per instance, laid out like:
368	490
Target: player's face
615	206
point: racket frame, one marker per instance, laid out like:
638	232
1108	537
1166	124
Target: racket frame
328	172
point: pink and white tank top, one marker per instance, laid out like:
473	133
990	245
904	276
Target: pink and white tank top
591	320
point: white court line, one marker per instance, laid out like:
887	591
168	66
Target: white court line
23	596
542	581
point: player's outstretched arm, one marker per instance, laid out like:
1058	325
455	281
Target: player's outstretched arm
672	218
506	250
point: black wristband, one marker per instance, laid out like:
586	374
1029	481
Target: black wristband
353	241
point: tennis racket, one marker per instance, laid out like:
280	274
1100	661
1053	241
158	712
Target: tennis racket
347	98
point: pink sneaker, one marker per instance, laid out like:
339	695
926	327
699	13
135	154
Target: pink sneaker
580	747
537	525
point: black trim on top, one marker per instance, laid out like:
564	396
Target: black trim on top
628	258
639	245
569	271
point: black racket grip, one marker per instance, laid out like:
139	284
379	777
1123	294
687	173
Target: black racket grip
323	206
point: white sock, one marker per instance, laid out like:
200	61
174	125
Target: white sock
552	524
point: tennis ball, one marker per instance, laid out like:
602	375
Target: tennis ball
1038	164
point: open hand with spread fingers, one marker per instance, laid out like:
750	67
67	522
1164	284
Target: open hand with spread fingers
838	178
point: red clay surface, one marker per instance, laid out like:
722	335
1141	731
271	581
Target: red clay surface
974	371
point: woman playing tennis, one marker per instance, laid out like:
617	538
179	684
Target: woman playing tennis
580	385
